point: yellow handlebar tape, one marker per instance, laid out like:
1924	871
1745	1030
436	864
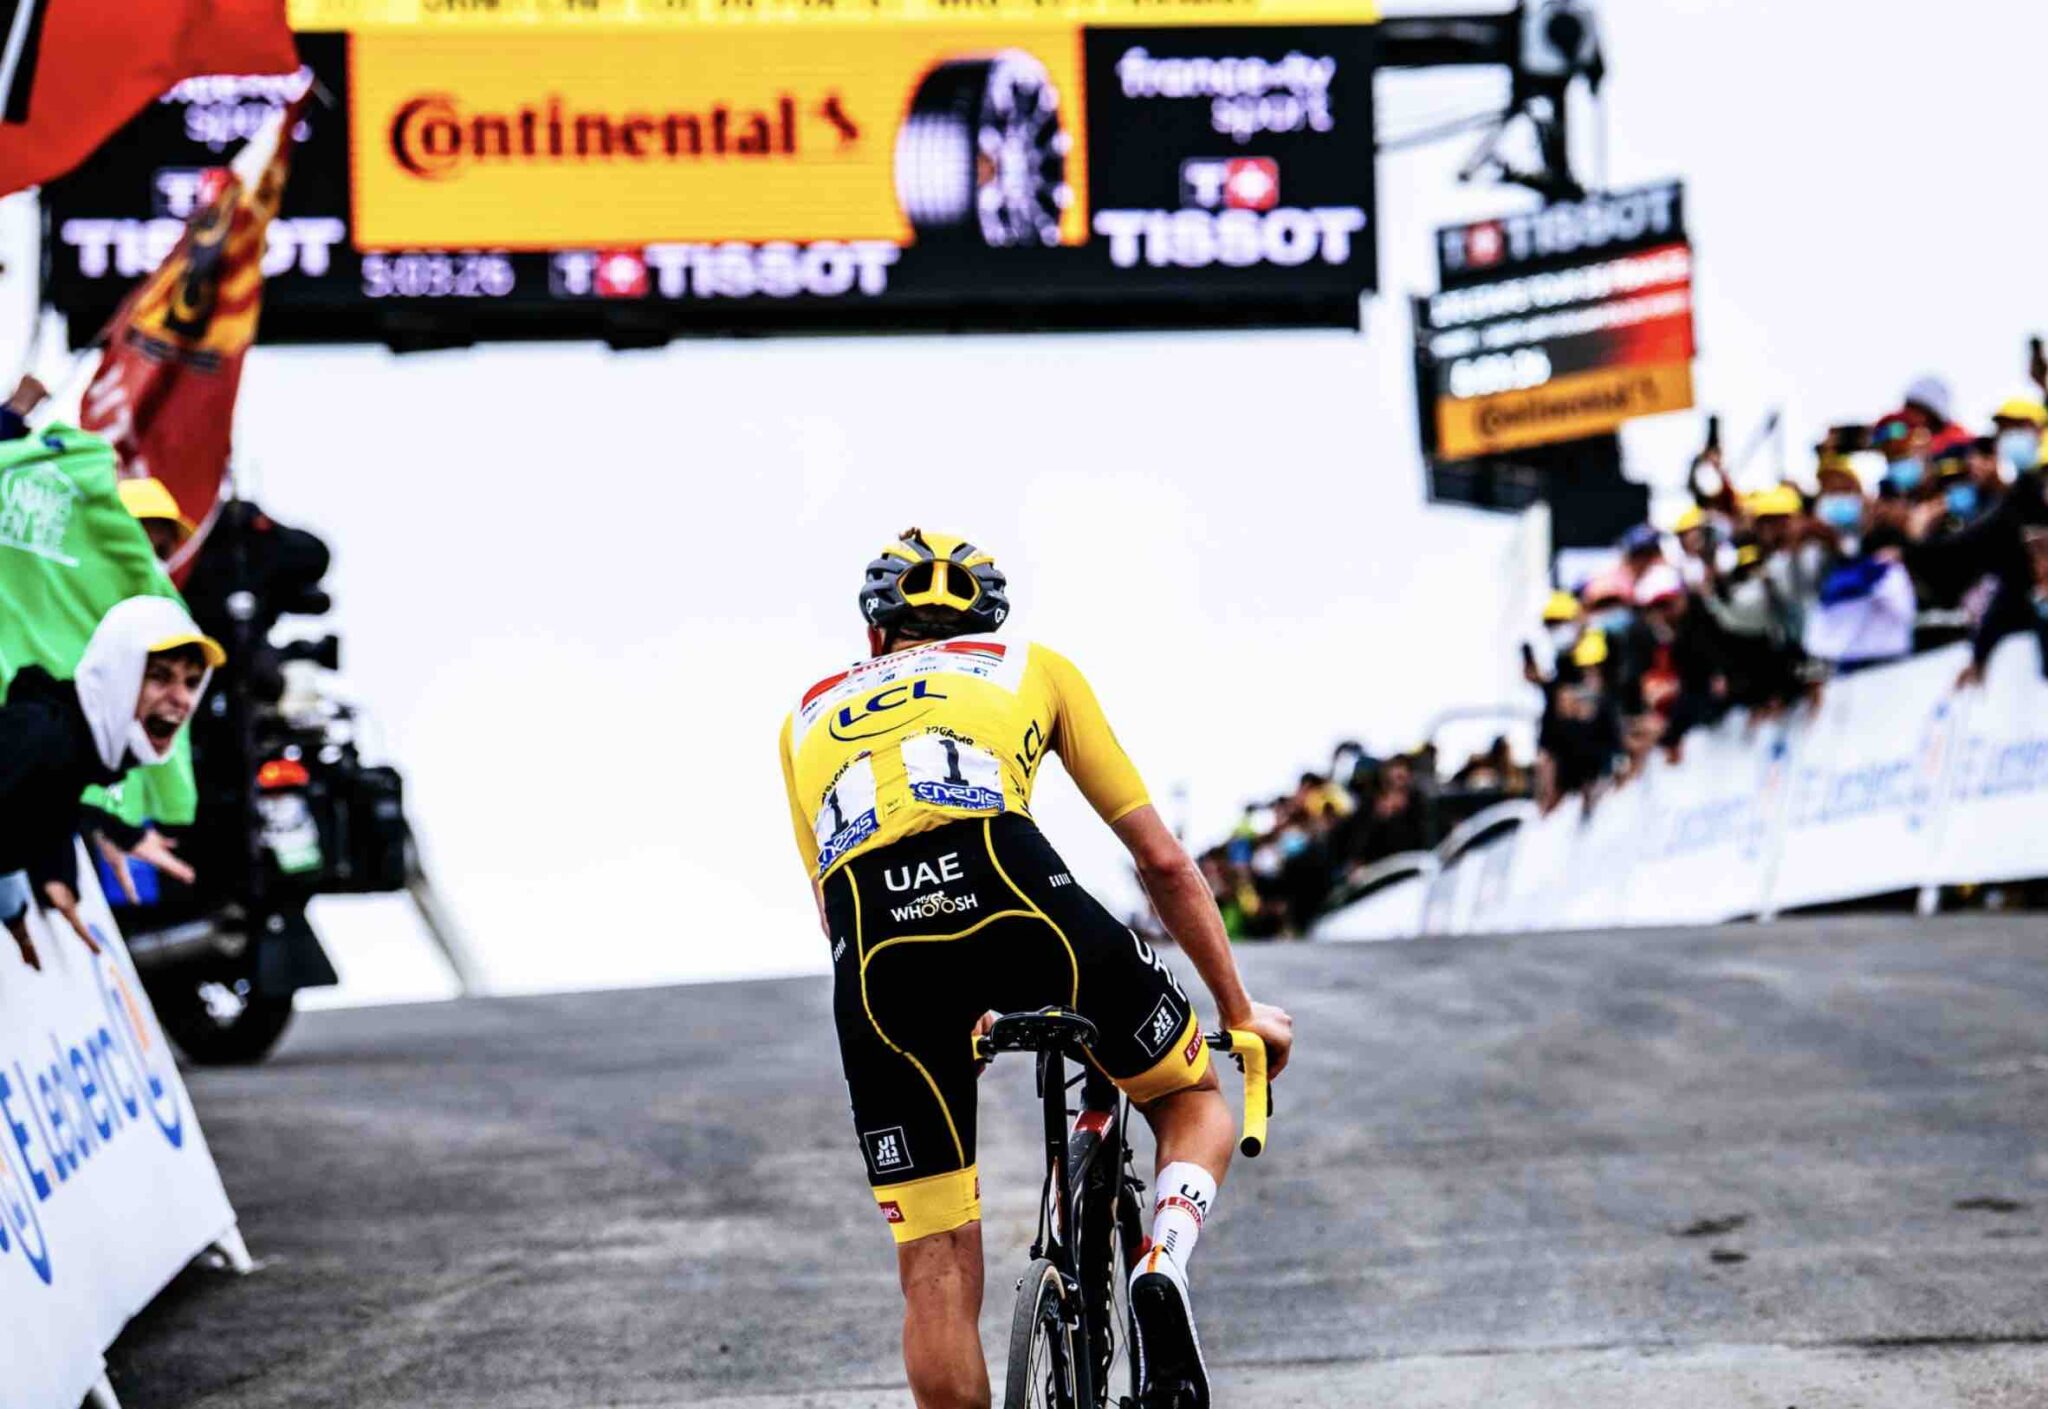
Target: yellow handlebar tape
1250	1050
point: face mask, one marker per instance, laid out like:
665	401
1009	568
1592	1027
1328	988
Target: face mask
1905	474
1840	511
1962	500
2020	450
1614	620
1563	636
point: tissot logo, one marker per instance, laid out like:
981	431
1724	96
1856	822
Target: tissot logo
433	136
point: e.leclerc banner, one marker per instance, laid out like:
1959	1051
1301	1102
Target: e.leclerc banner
107	1188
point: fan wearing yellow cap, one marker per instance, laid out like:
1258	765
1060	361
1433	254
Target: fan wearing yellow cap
2017	425
909	777
152	505
138	683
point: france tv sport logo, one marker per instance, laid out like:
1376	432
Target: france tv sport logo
1230	183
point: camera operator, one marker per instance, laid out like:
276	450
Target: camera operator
138	683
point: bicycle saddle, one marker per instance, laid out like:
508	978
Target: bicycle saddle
1040	1030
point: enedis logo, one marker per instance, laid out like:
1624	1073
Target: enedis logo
617	139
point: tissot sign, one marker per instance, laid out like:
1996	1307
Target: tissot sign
733	167
1557	324
1560	234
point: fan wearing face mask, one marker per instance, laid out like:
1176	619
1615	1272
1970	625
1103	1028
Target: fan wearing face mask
137	684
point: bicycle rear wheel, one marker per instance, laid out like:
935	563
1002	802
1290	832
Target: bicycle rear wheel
1041	1369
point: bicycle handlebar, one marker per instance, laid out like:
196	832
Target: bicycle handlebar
1048	1026
1249	1050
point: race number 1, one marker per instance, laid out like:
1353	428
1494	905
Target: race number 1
846	817
947	772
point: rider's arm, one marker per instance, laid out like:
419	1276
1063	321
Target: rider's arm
1106	777
806	839
1186	908
1189	913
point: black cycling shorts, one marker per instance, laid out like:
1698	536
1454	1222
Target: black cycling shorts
931	932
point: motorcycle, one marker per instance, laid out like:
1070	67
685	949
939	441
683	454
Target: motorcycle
287	808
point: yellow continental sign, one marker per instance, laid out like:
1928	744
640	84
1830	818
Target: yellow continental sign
608	140
1582	404
444	15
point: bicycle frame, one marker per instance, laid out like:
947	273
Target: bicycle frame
1094	1141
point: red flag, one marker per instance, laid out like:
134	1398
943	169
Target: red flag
165	390
72	71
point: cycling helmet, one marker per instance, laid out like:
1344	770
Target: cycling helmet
935	583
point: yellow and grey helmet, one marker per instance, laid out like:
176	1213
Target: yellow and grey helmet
934	582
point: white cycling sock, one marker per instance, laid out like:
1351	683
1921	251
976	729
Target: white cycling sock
1186	1192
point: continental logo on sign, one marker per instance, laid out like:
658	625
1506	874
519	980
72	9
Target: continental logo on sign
1566	408
615	140
432	136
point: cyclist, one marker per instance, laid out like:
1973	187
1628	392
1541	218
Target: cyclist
909	778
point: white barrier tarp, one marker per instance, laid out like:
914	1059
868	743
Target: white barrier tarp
1994	825
1899	780
1708	825
107	1188
1394	911
1867	779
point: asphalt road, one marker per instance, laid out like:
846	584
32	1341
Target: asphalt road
1796	1165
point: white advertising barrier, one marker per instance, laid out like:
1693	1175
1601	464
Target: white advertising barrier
1868	772
1708	825
1395	908
1898	781
107	1188
1994	819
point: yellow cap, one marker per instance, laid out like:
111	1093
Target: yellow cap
2022	408
1562	606
1780	500
208	647
1691	519
147	498
1591	650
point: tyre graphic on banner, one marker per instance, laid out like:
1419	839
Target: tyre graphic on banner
982	155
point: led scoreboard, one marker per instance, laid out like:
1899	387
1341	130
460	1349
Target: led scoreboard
635	169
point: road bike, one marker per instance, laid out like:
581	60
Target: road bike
1070	1335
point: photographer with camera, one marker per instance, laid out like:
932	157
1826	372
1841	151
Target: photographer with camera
137	685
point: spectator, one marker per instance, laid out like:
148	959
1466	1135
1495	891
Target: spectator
1641	549
28	394
1686	682
138	683
153	506
2016	428
1393	814
1864	614
2017	608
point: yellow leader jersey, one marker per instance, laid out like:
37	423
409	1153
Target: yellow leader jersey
925	736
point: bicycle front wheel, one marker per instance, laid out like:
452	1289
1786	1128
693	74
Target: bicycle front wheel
1041	1372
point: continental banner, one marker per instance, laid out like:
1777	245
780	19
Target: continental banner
1565	408
613	140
